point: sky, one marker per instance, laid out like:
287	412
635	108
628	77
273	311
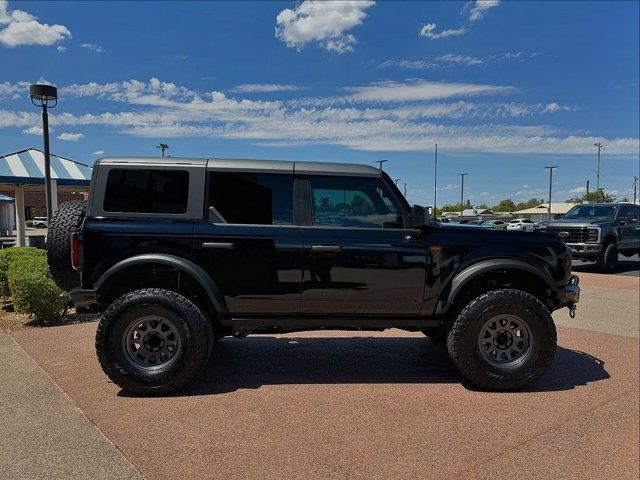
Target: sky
504	88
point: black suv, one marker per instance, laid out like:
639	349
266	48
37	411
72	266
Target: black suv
597	232
181	252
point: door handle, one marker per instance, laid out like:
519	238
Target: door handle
326	248
218	245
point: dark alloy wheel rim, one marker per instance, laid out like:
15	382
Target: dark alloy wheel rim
152	342
505	341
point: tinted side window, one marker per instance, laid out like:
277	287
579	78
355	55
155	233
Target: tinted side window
251	198
354	202
624	212
146	191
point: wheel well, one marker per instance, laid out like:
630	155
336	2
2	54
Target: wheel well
498	279
150	275
610	239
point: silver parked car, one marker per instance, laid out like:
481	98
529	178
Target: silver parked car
521	225
494	224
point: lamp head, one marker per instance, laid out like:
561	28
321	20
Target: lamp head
43	95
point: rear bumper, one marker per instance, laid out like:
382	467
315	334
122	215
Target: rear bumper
570	293
83	297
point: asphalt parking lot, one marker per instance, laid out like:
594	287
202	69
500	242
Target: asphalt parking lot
367	405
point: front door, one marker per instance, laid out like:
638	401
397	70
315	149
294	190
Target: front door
358	257
630	228
249	244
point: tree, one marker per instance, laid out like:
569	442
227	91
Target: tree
163	147
598	196
506	205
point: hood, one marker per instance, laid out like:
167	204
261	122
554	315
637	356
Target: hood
577	222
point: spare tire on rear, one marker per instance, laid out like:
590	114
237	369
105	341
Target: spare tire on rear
66	220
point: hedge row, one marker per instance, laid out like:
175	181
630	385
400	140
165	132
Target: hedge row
24	275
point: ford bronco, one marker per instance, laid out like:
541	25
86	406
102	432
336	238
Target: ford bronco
178	253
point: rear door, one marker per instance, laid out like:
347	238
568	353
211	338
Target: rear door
358	255
248	243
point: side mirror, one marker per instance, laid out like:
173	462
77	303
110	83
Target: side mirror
419	216
631	218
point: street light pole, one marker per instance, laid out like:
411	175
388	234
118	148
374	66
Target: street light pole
462	175
550	184
380	162
435	182
635	188
40	96
599	146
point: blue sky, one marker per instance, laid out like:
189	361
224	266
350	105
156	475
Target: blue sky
504	88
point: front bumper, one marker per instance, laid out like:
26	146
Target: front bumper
570	293
83	297
585	248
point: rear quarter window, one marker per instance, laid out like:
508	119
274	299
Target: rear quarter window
146	191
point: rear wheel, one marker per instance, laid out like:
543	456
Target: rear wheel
153	341
503	340
608	259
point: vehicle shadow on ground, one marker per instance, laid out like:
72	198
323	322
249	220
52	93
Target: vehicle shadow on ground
624	266
252	362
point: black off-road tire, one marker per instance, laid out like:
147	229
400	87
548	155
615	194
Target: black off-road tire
191	322
437	335
464	349
608	258
66	220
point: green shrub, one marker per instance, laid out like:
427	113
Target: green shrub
32	289
29	223
7	255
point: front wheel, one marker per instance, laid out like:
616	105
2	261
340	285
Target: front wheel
153	341
608	259
503	340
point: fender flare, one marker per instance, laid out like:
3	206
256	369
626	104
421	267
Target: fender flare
472	271
179	263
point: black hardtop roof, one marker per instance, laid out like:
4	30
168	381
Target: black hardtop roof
251	165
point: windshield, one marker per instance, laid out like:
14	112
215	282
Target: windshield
487	222
592	211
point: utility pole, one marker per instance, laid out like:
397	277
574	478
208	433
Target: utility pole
396	180
435	183
599	146
550	184
587	187
405	189
380	162
635	188
462	175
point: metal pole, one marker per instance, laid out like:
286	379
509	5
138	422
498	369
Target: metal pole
599	145
635	188
462	175
380	162
550	184
435	183
47	162
587	187
405	189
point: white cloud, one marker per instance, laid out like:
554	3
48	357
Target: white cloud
21	28
70	137
93	47
427	31
381	117
264	88
98	152
450	60
35	130
420	91
478	10
459	59
325	22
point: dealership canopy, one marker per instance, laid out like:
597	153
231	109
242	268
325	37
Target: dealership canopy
26	167
23	171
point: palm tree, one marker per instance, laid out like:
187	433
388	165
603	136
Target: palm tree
163	147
